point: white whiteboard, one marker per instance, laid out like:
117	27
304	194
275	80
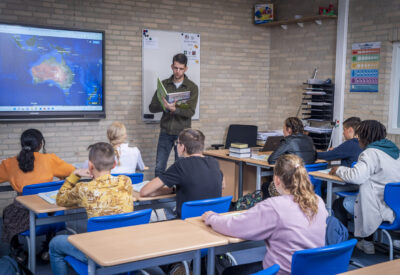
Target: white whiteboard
158	48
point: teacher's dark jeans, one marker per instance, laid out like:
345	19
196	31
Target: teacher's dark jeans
165	144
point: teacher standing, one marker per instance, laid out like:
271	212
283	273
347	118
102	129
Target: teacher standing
176	116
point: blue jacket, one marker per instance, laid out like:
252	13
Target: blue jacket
347	152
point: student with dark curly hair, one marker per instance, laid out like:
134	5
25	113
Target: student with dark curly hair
377	165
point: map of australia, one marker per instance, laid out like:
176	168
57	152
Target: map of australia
42	70
51	70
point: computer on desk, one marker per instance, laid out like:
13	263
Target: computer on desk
272	143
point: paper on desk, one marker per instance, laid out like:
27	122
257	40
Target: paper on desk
138	186
259	157
325	171
50	197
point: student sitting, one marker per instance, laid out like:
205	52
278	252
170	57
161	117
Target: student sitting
29	167
295	142
195	176
348	151
377	165
296	220
104	195
128	158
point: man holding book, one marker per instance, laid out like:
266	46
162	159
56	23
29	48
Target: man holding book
177	115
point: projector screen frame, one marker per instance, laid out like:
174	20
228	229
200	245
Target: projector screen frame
21	116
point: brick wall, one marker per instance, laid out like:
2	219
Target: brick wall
234	67
371	21
294	54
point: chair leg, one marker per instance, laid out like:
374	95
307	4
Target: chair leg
29	252
70	230
231	258
186	264
390	244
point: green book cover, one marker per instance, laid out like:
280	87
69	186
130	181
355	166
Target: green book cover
161	93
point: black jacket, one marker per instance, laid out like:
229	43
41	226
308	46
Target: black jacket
298	144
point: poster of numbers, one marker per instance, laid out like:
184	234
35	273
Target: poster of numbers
365	67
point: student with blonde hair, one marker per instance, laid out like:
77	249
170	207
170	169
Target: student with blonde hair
128	158
294	221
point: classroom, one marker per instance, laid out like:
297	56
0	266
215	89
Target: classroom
250	74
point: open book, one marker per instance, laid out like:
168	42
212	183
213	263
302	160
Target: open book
50	197
179	97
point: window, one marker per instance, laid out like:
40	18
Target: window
394	108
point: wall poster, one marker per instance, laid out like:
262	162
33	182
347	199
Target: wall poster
365	67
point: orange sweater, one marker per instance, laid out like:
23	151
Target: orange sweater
46	167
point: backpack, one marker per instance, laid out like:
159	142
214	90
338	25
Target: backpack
8	266
336	232
248	200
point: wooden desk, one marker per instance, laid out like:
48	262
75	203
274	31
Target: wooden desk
234	244
37	205
240	173
386	268
330	180
156	202
137	247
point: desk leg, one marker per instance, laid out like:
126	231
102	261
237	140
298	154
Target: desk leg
210	261
258	182
240	189
329	197
32	241
197	263
91	267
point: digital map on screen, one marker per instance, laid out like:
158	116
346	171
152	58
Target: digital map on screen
50	73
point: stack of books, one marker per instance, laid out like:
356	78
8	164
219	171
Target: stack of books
239	150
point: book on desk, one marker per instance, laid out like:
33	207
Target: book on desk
50	197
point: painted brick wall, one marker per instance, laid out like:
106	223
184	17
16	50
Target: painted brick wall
234	67
371	21
294	54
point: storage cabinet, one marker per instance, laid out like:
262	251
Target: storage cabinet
317	110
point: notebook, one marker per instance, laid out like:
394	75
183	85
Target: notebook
50	197
272	143
138	186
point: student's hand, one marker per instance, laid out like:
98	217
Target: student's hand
206	214
331	148
170	106
83	173
333	170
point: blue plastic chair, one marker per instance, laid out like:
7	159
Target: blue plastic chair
272	270
197	208
327	260
391	196
315	182
135	177
109	222
41	230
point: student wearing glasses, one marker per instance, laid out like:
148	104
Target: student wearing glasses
193	175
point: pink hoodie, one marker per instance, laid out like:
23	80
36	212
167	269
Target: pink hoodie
281	223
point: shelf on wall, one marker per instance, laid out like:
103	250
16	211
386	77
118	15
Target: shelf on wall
283	23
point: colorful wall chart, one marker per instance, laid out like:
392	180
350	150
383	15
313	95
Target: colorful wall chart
365	67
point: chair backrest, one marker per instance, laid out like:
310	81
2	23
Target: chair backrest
119	220
391	197
42	187
316	166
272	270
135	177
242	134
327	260
197	208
